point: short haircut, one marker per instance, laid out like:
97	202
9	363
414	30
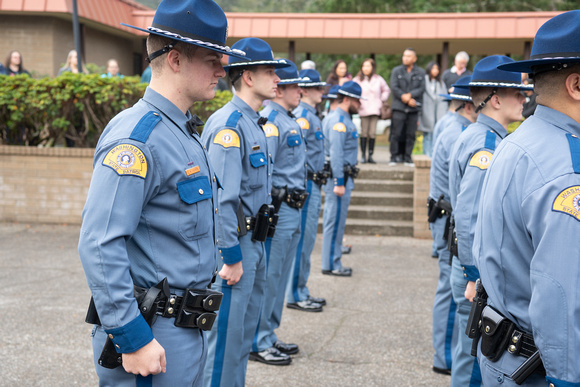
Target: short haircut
157	42
462	55
548	84
479	94
235	75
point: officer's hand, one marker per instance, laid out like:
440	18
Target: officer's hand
470	291
338	190
148	360
412	102
232	273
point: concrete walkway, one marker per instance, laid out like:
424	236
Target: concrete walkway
375	330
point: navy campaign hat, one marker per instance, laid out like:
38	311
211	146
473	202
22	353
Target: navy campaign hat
199	22
311	78
351	89
460	90
258	52
332	92
556	43
288	75
486	74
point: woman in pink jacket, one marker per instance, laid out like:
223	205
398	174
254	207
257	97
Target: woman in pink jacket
374	91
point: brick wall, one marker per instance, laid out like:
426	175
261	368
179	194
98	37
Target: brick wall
420	194
44	185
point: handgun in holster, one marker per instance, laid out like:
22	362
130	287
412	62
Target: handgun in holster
265	223
146	300
279	195
452	240
473	329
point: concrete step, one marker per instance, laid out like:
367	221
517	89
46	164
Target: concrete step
382	172
375	227
380	213
380	199
370	185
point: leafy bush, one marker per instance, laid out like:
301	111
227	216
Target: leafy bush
72	109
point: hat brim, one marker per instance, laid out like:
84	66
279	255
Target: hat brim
312	84
525	66
277	63
210	46
351	95
506	85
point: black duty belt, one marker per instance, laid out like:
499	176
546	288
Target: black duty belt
263	224
320	177
195	309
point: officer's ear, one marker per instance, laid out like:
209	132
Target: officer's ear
573	85
174	59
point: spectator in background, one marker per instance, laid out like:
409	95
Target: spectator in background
459	69
112	69
72	64
2	69
407	85
308	65
339	75
14	64
374	92
434	107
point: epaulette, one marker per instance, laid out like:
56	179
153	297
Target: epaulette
272	115
490	137
341	119
233	119
304	113
574	143
145	126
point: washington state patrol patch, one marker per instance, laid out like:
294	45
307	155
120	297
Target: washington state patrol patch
339	127
227	138
271	130
568	202
127	159
481	159
303	122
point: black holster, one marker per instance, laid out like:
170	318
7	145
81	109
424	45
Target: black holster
296	198
496	331
438	208
473	329
452	240
265	223
279	195
350	171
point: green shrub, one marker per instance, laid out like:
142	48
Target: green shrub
71	109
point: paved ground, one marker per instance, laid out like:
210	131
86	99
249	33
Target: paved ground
375	330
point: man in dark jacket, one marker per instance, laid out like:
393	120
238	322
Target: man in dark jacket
407	86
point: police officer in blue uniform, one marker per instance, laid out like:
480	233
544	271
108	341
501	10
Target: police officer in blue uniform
340	148
525	239
297	295
288	152
150	209
239	152
497	96
444	336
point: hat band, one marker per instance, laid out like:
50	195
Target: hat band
349	94
312	84
175	35
559	55
499	84
256	63
460	96
291	80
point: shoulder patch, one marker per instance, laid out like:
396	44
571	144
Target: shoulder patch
568	202
127	159
339	127
481	159
227	138
303	122
145	126
270	130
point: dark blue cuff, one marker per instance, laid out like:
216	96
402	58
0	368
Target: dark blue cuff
470	273
231	255
338	181
132	336
561	383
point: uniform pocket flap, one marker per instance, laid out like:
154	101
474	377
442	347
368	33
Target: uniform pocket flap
258	159
194	190
294	140
319	135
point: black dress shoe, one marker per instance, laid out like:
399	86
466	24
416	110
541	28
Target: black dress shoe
443	371
342	272
305	306
346	249
318	300
288	349
271	356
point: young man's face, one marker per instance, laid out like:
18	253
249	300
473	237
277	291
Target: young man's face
314	94
290	95
512	104
203	70
354	105
265	81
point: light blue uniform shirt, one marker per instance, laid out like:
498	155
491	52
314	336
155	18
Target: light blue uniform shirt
439	174
149	214
526	244
340	143
313	137
468	164
286	146
442	124
238	151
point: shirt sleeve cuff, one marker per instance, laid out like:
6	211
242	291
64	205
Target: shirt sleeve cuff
338	181
132	336
470	273
231	255
561	383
